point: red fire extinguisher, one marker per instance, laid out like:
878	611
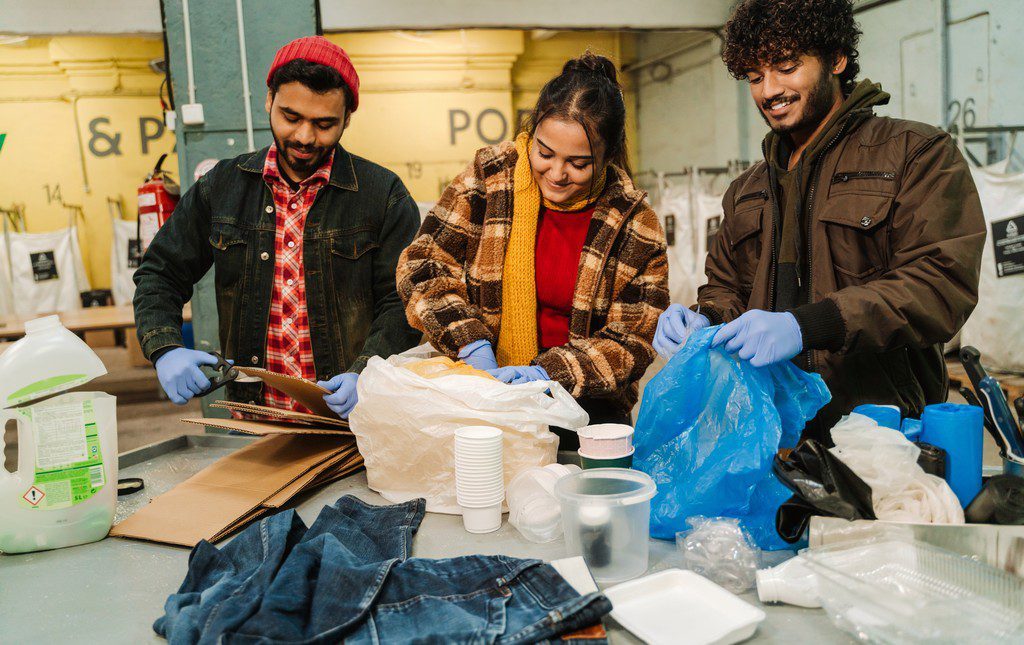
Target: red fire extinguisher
158	196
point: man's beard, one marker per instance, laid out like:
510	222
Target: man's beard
302	167
817	105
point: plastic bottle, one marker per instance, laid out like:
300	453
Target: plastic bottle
65	489
791	582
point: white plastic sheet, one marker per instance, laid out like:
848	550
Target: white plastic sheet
996	327
46	271
887	462
404	426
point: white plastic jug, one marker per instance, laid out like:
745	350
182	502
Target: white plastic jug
65	489
48	360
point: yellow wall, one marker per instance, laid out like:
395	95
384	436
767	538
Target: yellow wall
425	98
428	101
43	83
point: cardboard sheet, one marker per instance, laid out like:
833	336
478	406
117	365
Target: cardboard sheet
305	392
267	428
229	493
277	413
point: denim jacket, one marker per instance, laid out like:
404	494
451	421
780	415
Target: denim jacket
354	232
349	578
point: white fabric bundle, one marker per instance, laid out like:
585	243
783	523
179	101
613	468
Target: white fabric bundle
887	462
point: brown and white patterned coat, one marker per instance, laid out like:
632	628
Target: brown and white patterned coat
450	278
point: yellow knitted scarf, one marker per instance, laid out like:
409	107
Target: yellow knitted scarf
517	339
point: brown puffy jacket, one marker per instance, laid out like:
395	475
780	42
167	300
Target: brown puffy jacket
894	251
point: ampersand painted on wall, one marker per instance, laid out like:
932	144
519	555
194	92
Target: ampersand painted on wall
111	143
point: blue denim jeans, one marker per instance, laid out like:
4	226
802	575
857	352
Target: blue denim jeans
349	577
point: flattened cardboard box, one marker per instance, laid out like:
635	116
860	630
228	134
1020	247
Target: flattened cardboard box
270	414
234	487
266	428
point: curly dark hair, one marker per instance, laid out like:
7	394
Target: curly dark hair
771	31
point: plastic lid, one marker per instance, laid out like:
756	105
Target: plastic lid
608	486
606	431
607	457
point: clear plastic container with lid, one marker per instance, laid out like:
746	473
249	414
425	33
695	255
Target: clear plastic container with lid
606	518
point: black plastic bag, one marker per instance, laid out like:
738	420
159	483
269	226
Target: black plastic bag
1001	501
823	485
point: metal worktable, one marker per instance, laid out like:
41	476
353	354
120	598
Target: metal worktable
111	591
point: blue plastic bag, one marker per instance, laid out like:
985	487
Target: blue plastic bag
709	427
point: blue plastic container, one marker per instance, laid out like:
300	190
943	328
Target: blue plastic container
887	416
958	429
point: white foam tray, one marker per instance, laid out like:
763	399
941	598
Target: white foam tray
682	607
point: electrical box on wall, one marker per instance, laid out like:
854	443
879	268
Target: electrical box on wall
192	114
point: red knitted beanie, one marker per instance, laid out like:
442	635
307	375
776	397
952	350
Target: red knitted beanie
317	49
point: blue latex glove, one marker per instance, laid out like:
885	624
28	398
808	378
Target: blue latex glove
675	325
343	396
520	374
179	373
480	355
762	337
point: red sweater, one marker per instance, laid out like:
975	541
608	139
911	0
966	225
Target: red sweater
560	238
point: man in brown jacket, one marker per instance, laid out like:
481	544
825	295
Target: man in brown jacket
854	248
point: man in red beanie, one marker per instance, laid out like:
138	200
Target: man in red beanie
304	237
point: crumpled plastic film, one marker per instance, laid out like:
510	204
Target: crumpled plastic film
405	425
720	550
887	462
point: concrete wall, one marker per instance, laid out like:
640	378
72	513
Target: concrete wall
692	112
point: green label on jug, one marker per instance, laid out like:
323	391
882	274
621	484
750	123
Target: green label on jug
46	386
69	461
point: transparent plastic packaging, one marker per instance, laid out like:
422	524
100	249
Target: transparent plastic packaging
532	506
720	550
606	518
894	591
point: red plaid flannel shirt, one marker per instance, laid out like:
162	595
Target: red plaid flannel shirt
289	350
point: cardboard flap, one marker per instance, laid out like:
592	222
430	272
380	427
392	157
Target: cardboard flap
305	392
267	428
277	413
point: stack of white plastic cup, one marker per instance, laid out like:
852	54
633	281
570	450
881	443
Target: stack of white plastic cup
479	477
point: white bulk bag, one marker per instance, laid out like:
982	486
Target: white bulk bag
121	268
405	426
996	327
46	271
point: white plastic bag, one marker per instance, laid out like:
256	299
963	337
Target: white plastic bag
887	462
404	426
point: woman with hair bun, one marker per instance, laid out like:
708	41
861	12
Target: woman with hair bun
542	260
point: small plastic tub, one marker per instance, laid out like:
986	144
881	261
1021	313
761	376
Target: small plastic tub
605	517
606	440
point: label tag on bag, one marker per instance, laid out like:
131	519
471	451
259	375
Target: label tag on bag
44	266
1008	244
